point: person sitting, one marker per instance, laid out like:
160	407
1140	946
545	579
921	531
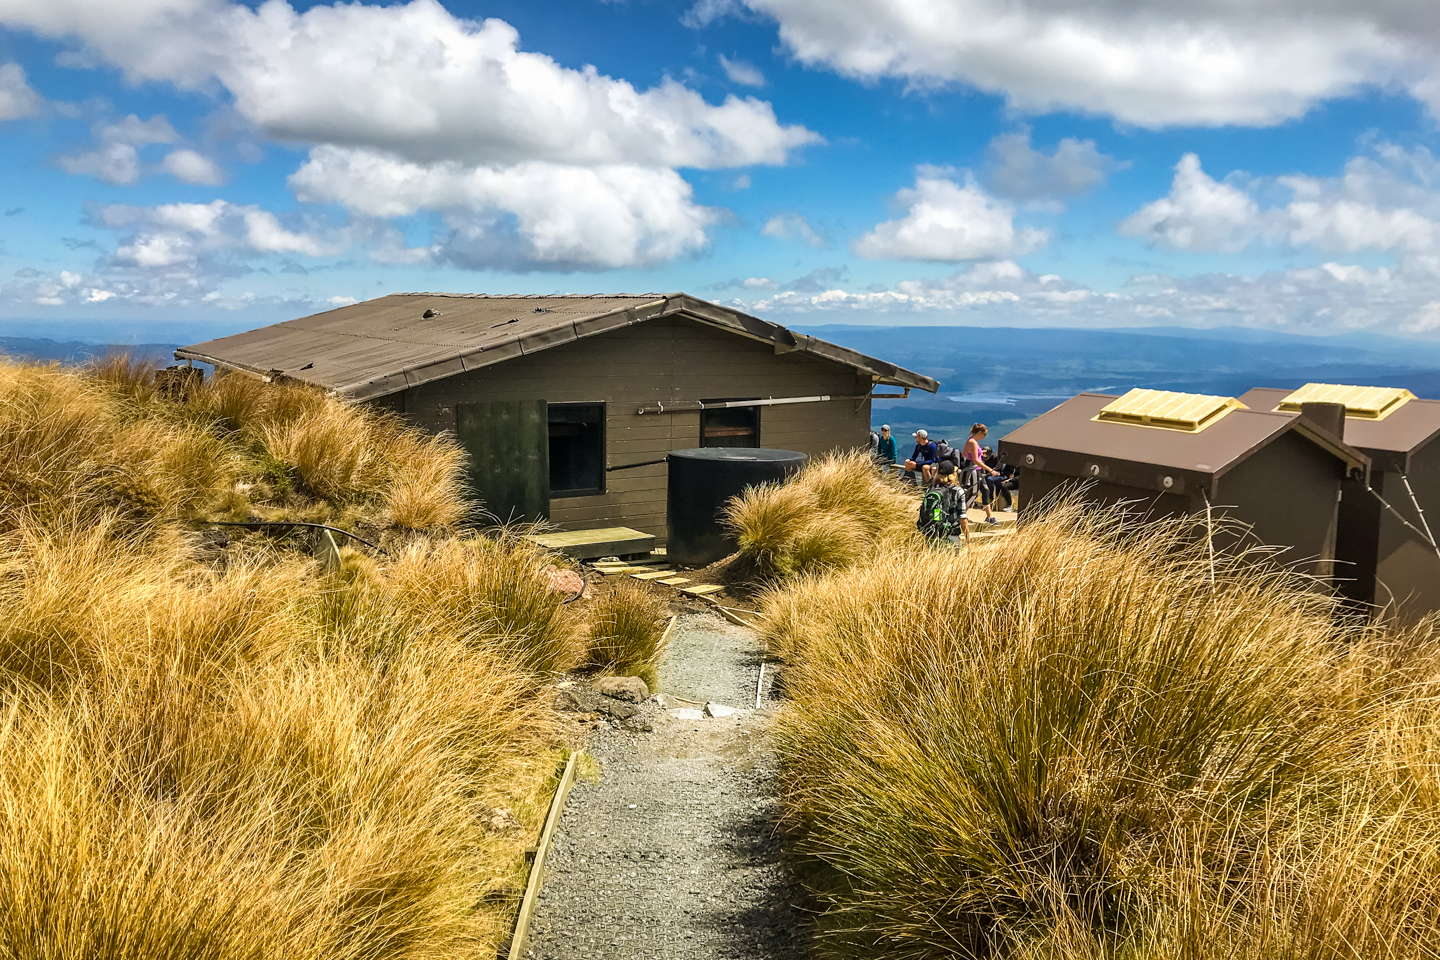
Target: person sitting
975	460
922	459
885	449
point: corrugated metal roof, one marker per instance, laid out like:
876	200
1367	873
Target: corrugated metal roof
382	346
1072	441
1389	442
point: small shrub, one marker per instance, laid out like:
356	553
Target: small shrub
627	627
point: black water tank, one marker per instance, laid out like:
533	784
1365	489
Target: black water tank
700	483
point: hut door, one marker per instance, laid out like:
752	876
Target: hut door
509	446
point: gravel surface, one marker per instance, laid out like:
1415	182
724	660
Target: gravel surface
674	853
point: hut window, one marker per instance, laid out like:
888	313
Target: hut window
730	427
577	449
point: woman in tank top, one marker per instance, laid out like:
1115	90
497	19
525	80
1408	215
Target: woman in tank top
975	456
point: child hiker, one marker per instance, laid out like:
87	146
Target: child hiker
942	508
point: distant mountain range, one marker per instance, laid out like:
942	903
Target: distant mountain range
1005	376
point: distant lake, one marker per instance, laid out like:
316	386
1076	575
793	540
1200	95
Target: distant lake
1006	399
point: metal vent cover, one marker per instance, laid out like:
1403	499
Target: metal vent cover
1361	403
1167	410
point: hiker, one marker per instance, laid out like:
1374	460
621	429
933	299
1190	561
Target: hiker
1005	482
976	461
885	449
922	458
942	508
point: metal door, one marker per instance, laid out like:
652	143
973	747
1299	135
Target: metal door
509	446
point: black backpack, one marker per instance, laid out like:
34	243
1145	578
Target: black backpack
933	520
970	481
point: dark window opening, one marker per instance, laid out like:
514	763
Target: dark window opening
730	427
577	449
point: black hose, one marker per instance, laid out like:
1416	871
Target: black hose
258	524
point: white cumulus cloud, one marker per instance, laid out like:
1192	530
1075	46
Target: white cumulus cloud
192	167
526	216
17	98
792	226
116	157
1019	171
1147	62
947	221
1388	202
416	81
742	72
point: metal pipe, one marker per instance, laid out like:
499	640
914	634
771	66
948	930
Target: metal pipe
675	406
1421	511
643	463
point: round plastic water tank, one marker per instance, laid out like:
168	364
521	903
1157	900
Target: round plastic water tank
700	483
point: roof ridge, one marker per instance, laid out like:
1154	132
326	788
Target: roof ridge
524	296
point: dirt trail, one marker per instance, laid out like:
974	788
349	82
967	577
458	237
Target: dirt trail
673	853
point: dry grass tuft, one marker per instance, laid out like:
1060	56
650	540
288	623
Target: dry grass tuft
492	595
259	761
103	439
627	627
837	509
1080	746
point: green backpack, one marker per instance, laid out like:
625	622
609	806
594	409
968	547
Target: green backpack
933	522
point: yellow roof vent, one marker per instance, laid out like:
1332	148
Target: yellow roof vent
1362	403
1168	410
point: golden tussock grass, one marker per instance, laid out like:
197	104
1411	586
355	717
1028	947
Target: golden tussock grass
104	439
259	761
836	510
245	757
627	627
1082	742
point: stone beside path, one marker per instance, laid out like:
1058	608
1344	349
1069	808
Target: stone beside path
673	852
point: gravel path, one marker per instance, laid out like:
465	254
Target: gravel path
673	853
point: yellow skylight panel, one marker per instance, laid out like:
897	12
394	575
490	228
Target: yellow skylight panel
1168	410
1362	403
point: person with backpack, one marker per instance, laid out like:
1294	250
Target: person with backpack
885	449
943	508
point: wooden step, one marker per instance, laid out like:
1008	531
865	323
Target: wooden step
653	574
675	581
702	589
602	542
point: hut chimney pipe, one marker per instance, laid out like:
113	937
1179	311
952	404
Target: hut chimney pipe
1329	417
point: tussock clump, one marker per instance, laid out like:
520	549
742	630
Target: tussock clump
627	627
1088	747
836	510
493	595
261	761
105	440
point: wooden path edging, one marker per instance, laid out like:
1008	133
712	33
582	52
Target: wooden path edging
537	867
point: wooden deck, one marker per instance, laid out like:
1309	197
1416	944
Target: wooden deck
590	544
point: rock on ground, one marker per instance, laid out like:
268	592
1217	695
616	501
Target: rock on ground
674	852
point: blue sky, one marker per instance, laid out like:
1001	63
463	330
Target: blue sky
175	169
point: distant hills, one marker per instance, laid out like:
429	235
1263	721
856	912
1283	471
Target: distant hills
75	351
1005	376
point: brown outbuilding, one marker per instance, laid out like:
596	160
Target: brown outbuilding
1174	454
1385	555
568	405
